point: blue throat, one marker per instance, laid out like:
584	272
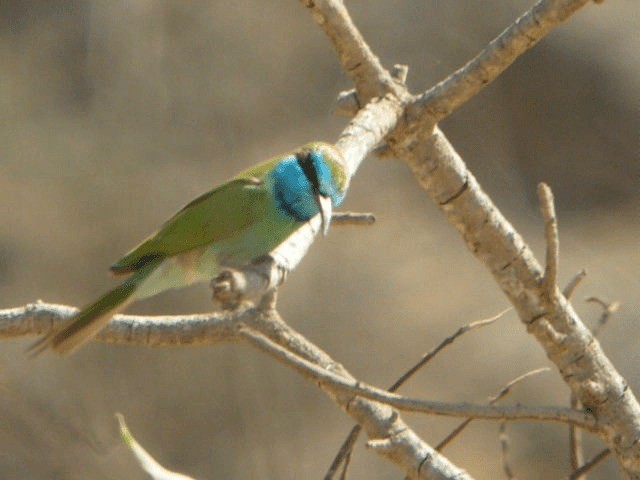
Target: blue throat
297	181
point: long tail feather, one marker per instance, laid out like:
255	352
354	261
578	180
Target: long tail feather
87	322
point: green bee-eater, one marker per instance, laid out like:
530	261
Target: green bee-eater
240	221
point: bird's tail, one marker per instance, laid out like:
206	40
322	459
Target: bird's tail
88	321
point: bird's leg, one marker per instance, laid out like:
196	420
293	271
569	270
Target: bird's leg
237	284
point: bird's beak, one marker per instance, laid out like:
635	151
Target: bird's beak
326	210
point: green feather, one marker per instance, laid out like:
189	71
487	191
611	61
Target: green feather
88	321
214	216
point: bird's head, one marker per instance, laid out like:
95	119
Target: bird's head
324	167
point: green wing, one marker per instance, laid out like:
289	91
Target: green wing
213	216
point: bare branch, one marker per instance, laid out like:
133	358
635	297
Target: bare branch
340	219
548	210
358	61
167	330
439	101
576	457
608	309
556	326
575	475
573	284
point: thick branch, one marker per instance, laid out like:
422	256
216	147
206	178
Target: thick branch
567	342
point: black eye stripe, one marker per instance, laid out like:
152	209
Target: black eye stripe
306	164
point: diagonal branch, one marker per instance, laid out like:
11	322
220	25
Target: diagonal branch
441	100
556	326
358	61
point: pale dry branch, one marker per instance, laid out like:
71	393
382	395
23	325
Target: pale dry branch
555	324
548	210
441	100
370	78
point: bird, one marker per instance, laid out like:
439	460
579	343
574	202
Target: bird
233	224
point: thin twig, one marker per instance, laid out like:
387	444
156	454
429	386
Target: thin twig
608	309
548	210
573	284
427	357
347	446
340	219
504	391
504	450
576	456
575	475
343	454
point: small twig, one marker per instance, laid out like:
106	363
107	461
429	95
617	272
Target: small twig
576	474
340	219
347	461
349	442
344	454
576	457
548	210
504	449
608	309
504	391
427	357
573	284
399	73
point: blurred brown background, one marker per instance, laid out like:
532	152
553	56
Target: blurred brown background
114	114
